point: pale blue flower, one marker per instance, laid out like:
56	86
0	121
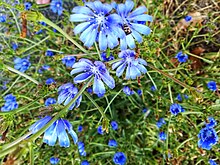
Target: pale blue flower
57	6
22	64
96	69
132	23
68	61
98	24
66	93
56	131
135	66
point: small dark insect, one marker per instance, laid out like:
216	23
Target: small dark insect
127	29
24	25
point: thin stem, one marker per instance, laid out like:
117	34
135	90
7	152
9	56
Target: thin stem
208	61
11	85
21	74
171	97
16	21
31	151
152	80
97	49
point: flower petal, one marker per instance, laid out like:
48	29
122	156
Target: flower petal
82	10
62	135
109	81
81	27
140	10
120	70
79	17
102	41
82	77
141	28
98	86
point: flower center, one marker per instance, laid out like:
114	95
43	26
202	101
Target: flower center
58	4
100	18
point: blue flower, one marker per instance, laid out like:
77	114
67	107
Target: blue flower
57	6
207	138
14	46
212	162
119	158
212	123
27	5
160	122
10	103
2	18
212	85
186	96
100	130
68	61
112	143
21	64
89	90
181	57
98	24
132	23
105	59
144	110
66	93
114	125
135	66
153	88
80	128
162	136
49	53
188	18
176	108
139	92
127	90
81	148
49	101
50	81
56	131
84	162
43	68
179	97
54	160
96	69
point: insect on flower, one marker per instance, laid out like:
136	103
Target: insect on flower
127	29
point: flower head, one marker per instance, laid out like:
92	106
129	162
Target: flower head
68	61
135	66
84	162
54	160
49	101
188	18
181	57
153	88
56	131
176	108
179	97
10	103
132	23
212	85
50	81
96	69
127	90
207	138
112	143
57	6
212	123
2	18
162	136
160	122
27	5
43	68
212	162
66	93
97	24
81	148
49	53
80	128
21	64
119	158
105	58
114	125
139	92
100	130
144	110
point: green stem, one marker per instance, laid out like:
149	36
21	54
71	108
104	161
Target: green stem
36	44
96	105
11	85
152	80
21	74
15	18
31	151
208	61
97	49
171	98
